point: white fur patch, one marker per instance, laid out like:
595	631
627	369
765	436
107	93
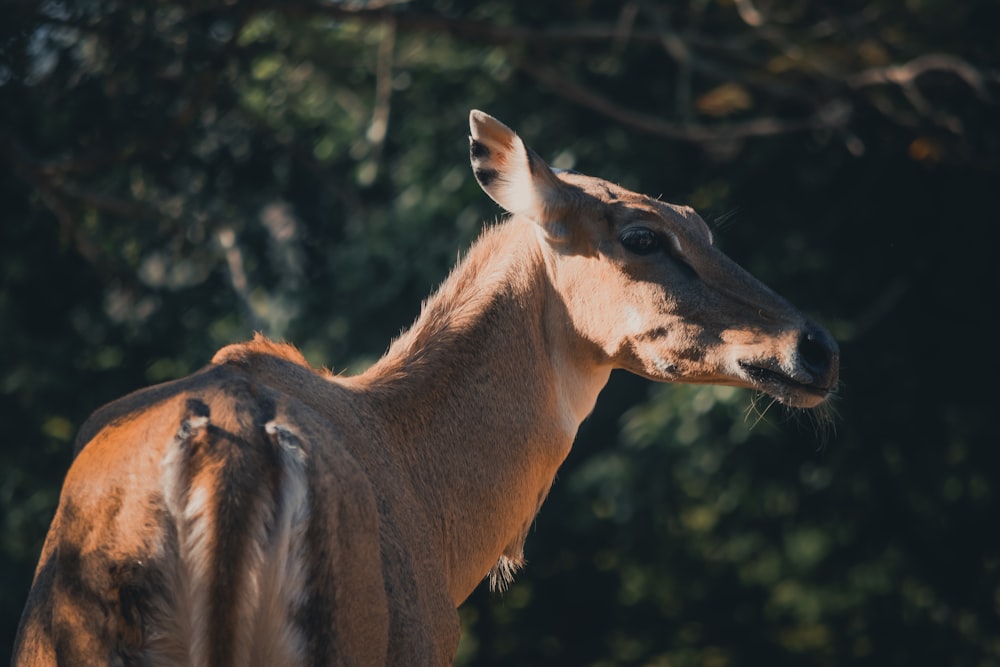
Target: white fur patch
278	570
180	637
273	585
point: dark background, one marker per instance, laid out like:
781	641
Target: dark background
174	176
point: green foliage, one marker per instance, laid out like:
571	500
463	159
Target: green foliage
178	175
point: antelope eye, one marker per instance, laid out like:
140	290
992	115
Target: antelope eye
640	240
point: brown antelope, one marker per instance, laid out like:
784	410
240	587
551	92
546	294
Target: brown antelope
263	512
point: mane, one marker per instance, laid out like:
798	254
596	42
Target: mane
496	272
495	265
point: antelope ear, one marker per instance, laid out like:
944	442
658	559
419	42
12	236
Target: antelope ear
510	172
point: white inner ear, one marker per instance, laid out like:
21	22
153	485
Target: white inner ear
518	189
514	186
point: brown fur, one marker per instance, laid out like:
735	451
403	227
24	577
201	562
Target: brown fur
262	512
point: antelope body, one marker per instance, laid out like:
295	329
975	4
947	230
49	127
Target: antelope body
263	512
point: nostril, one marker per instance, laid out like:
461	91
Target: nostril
817	352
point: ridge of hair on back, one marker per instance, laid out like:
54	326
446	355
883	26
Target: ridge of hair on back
241	354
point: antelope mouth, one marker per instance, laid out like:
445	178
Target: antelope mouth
784	387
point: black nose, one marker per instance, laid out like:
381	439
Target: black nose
819	355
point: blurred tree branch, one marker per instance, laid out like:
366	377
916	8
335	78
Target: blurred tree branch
817	94
829	97
57	198
832	116
825	102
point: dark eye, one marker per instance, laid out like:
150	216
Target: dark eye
640	240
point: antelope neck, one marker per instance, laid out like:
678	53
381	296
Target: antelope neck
482	466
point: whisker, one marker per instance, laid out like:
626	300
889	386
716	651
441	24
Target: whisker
753	407
725	219
823	420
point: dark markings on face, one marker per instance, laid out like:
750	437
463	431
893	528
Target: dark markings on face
696	354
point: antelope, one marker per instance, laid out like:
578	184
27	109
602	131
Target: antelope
264	512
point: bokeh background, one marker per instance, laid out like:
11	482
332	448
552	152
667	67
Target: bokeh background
177	175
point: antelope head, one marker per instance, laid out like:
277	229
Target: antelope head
643	286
